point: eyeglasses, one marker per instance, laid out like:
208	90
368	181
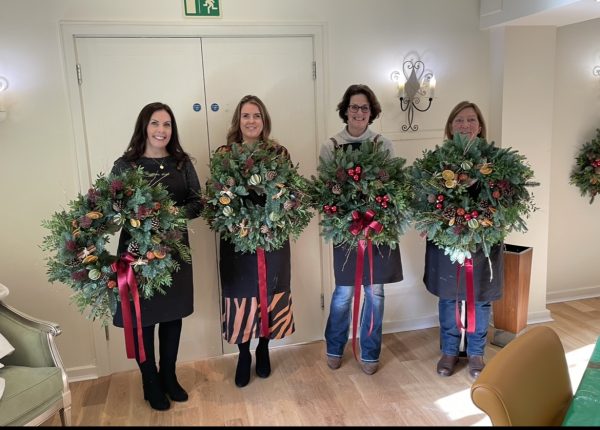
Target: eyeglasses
363	108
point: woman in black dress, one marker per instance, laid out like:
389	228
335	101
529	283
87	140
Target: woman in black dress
238	271
155	147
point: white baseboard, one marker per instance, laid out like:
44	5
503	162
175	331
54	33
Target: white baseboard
412	324
82	373
573	294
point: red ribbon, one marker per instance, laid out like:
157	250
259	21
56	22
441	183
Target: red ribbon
128	284
470	296
362	223
262	292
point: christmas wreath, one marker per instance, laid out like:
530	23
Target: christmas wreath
586	173
255	197
79	238
471	194
359	188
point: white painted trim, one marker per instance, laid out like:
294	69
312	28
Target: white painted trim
573	294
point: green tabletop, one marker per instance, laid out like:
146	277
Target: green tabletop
585	407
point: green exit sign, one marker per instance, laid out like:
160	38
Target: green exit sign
210	8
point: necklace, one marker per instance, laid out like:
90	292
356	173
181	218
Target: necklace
159	163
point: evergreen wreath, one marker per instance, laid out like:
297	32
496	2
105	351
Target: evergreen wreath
470	195
255	197
586	172
355	182
79	237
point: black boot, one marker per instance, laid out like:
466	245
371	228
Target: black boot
263	362
150	380
169	334
242	371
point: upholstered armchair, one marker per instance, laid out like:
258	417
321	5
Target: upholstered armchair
36	385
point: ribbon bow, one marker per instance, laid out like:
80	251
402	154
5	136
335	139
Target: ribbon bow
128	284
362	223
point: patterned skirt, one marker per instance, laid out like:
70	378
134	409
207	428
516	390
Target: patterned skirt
240	304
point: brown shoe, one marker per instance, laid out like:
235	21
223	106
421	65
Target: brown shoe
334	362
369	367
476	365
445	367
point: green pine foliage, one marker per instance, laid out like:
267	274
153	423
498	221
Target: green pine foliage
78	239
585	175
255	197
355	181
469	194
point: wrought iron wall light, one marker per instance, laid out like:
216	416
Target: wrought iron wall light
415	90
596	71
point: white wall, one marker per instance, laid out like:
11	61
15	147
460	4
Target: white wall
364	42
573	269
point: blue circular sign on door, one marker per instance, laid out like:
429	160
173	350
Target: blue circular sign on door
197	107
214	107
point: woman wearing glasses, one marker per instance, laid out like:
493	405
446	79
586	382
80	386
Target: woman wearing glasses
358	109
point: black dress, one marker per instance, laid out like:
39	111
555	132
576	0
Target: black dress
440	274
387	265
184	188
240	301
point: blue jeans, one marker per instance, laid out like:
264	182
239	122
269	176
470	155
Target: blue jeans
450	334
338	323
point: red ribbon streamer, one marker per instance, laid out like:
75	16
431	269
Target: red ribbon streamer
128	284
262	292
362	223
470	296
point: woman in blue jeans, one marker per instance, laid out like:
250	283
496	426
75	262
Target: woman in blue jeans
440	273
358	108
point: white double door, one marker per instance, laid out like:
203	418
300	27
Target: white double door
202	80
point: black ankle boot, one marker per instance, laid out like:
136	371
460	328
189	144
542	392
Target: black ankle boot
242	371
263	362
152	390
170	385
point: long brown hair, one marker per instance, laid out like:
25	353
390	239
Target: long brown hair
235	134
459	107
137	144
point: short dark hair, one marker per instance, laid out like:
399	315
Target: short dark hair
342	106
459	107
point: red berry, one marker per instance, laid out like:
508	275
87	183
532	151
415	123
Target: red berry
386	198
439	206
384	205
440	198
357	169
351	172
378	199
334	209
474	214
356	177
326	208
467	217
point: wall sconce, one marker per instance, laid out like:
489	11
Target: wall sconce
3	87
596	71
415	85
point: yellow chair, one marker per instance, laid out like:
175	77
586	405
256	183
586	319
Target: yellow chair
527	382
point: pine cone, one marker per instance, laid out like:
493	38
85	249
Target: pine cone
155	224
118	206
270	175
133	247
460	220
336	189
230	181
448	213
341	175
383	175
264	229
288	205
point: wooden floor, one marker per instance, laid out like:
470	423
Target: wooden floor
303	391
